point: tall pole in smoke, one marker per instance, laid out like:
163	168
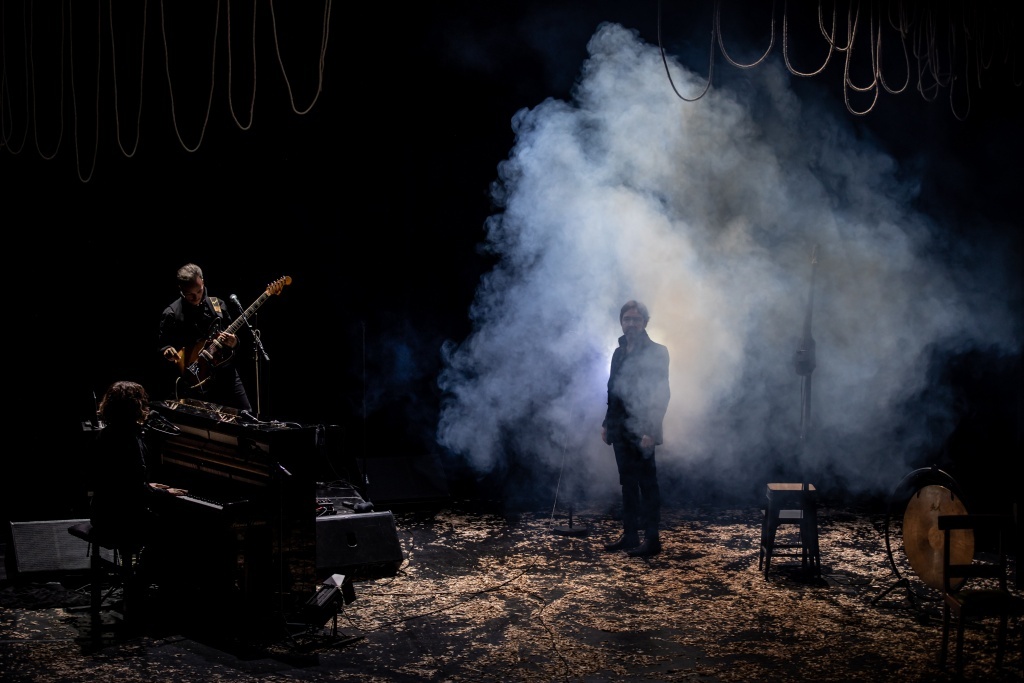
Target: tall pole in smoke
803	359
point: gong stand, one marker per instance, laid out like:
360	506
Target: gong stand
928	492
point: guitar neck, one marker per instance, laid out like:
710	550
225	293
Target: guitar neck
233	327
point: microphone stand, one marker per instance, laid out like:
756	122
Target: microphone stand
804	359
258	353
569	530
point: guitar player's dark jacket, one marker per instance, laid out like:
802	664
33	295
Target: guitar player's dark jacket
189	327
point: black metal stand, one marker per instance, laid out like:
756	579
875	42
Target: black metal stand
570	529
325	603
259	354
804	359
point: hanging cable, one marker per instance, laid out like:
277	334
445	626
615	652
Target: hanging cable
829	38
113	68
721	43
664	60
953	59
231	89
170	85
34	89
325	34
6	111
953	78
74	98
900	26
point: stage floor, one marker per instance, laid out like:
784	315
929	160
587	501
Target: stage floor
486	595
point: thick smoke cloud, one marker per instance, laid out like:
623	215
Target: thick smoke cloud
709	213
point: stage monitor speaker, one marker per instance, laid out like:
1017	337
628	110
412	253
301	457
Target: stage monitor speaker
46	546
359	545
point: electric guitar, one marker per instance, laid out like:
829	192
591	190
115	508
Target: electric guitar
197	365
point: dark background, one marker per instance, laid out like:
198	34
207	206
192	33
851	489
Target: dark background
372	201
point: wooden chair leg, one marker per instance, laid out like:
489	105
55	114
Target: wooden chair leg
769	547
764	541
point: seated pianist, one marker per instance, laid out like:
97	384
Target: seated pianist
121	508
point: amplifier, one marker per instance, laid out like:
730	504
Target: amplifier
46	546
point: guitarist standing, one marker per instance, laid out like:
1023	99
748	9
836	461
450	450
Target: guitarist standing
193	341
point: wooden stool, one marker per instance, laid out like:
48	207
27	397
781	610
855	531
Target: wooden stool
795	504
118	571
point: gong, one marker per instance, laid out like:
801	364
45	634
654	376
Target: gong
923	542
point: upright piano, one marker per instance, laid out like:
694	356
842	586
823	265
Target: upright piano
244	537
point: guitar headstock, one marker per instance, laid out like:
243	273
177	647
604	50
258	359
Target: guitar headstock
277	285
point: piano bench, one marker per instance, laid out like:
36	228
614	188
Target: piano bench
115	572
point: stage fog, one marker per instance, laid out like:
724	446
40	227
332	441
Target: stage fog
725	216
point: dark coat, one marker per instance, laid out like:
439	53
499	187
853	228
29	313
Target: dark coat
120	495
638	391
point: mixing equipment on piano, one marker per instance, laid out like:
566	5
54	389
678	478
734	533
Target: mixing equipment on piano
216	441
202	410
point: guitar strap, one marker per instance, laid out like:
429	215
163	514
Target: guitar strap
217	306
213	320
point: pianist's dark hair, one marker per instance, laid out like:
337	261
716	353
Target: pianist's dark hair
124	403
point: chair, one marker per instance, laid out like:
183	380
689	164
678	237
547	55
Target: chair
791	504
978	588
116	569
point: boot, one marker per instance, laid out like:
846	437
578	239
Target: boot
650	546
628	539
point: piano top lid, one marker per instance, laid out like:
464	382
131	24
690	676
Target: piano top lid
191	406
211	416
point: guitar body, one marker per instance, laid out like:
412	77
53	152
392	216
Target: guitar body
196	365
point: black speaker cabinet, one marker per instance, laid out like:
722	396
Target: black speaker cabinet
359	545
47	546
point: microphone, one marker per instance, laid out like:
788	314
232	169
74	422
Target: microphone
250	416
158	423
236	302
96	412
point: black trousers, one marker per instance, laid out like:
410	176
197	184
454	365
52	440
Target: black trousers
641	497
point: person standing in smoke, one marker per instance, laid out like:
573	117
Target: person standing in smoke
638	395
